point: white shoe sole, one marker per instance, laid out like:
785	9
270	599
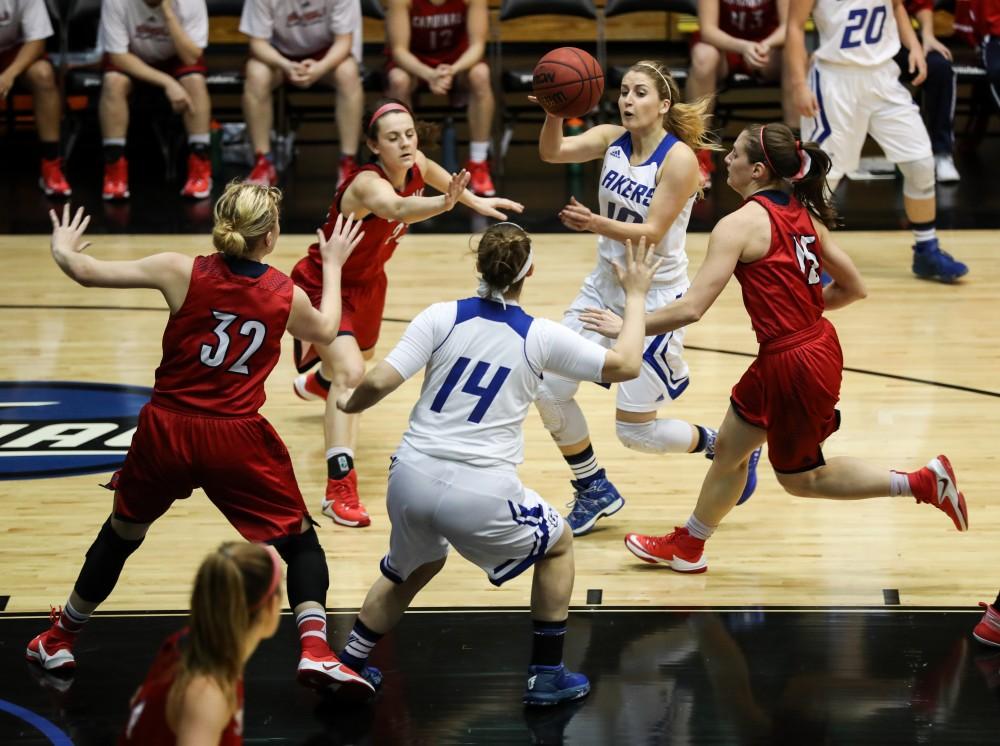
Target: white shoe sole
320	675
676	564
60	660
53	192
604	512
327	510
302	392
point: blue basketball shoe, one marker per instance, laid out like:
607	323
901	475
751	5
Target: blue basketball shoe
931	263
751	483
552	685
596	499
373	676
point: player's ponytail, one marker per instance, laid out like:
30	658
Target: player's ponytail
803	164
243	214
688	122
503	258
231	589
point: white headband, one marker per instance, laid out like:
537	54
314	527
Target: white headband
662	77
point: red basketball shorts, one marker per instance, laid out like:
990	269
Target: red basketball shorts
241	464
361	305
791	390
172	66
734	61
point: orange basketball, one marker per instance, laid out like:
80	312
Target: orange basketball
568	82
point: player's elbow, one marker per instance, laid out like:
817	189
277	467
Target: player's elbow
619	368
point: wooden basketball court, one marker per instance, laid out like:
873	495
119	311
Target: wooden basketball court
923	380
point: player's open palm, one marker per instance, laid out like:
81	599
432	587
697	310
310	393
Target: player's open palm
67	231
346	236
640	267
455	188
491	207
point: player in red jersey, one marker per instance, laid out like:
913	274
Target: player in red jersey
193	692
777	244
388	196
228	312
736	36
441	44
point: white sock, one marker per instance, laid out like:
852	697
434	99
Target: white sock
110	141
204	139
338	450
699	530
899	485
479	150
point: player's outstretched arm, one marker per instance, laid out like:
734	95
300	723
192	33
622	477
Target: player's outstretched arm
623	362
847	285
377	384
553	147
491	207
170	273
374	194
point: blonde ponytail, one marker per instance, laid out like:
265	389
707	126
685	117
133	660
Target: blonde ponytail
243	214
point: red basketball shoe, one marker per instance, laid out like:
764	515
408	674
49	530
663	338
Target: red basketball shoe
935	484
199	180
678	550
480	181
342	503
115	180
322	671
308	387
53	649
52	180
264	173
988	629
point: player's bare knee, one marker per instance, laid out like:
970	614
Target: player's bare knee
918	178
347	76
41	76
115	86
704	60
398	84
257	80
479	79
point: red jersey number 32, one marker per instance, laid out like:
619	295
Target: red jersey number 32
214	357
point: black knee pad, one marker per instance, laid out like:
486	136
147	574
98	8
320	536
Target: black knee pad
308	577
105	560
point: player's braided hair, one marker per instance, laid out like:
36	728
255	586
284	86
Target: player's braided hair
243	214
688	122
775	146
500	255
229	592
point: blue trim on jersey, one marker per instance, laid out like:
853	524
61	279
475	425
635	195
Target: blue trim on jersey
389	574
625	143
526	517
819	135
513	316
655	355
776	196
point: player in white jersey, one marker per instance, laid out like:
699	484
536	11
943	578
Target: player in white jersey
649	182
453	480
853	90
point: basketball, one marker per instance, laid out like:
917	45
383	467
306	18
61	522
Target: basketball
568	82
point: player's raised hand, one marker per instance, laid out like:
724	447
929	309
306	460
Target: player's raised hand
455	188
603	321
491	207
640	267
346	235
67	231
575	216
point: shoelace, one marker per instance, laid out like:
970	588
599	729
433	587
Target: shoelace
346	495
55	612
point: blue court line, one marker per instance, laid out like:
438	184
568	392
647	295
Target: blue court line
47	729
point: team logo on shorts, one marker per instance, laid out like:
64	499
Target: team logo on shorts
63	428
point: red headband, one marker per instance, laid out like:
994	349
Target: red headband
275	579
385	109
764	150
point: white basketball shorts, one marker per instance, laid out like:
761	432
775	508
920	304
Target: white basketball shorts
490	518
664	374
858	101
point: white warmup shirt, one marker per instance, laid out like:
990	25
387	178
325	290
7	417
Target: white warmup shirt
298	28
132	26
22	21
855	32
484	364
624	195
